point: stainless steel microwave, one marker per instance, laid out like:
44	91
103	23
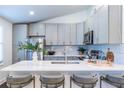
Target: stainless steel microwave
88	38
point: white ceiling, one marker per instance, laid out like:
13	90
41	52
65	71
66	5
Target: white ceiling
20	13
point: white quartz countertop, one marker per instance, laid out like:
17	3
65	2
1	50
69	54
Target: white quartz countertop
47	66
64	55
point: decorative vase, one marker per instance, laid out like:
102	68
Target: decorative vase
41	55
35	56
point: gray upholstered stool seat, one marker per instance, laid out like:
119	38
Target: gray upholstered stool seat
115	80
16	81
52	79
84	81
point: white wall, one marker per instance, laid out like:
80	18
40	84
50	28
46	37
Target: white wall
7	45
71	18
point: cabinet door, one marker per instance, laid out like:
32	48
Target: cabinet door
41	29
61	34
103	25
95	28
36	29
67	30
90	23
80	34
51	34
86	26
73	34
64	34
115	24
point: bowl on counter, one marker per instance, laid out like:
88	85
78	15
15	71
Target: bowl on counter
51	52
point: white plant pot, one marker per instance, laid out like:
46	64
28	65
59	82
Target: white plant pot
35	57
41	55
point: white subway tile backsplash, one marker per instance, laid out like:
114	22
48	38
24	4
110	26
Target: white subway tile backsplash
118	50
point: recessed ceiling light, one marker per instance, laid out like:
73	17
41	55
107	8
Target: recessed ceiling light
31	12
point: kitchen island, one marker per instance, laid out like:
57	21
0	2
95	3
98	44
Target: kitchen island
62	66
67	68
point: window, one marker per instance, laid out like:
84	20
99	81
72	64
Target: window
1	45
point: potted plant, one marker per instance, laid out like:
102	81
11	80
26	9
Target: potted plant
81	50
35	48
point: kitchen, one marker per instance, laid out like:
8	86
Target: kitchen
71	39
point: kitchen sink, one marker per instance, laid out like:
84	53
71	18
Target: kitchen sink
65	62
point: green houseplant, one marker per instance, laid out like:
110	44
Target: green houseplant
31	48
81	50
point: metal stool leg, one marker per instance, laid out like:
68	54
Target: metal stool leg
63	83
70	82
101	78
33	81
10	85
41	84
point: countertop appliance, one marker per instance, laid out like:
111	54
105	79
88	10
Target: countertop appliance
88	37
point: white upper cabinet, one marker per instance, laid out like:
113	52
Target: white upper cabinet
98	22
123	24
73	34
80	34
36	29
51	34
95	28
106	23
66	30
86	26
103	25
63	34
115	24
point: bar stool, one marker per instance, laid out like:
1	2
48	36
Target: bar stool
19	80
115	80
84	81
52	80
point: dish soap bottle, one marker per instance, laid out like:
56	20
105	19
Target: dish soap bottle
109	56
